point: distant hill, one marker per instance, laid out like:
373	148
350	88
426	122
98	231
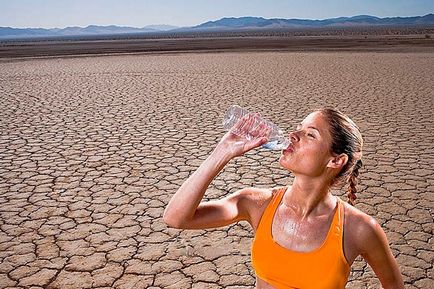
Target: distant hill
8	32
360	20
162	27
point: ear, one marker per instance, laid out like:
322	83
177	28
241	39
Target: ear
338	161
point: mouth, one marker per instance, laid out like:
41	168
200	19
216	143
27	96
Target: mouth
289	149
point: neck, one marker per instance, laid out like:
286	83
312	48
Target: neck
309	197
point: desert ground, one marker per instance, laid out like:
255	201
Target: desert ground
217	43
92	149
419	38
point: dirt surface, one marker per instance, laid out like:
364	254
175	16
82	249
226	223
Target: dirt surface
396	43
92	149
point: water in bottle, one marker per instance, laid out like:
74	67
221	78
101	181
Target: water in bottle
277	138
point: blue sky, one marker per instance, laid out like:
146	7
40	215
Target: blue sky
63	13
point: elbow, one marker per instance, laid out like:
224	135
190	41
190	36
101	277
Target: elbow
171	221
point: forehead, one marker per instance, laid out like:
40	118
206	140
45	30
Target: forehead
316	119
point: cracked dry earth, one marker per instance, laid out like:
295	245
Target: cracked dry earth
92	149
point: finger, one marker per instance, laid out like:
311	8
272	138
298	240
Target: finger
256	143
263	130
257	130
257	121
267	130
246	128
239	124
242	127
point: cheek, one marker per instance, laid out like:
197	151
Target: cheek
310	152
318	150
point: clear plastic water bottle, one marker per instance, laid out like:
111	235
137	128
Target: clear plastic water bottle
277	138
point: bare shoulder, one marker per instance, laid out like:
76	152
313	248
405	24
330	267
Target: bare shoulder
371	243
254	201
361	227
257	197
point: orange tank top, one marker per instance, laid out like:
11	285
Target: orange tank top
325	267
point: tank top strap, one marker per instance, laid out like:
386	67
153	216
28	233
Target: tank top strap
338	222
341	205
268	214
277	197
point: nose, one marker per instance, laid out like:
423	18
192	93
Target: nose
293	136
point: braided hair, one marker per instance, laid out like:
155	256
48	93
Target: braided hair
347	139
353	181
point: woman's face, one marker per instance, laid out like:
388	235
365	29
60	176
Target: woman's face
310	151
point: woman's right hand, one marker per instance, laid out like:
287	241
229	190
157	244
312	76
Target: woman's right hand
184	209
236	143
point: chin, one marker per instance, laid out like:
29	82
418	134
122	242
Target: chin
284	163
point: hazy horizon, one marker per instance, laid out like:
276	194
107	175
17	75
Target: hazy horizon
135	13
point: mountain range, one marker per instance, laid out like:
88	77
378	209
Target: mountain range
360	20
8	32
224	24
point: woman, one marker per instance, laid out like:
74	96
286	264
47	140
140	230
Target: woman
305	237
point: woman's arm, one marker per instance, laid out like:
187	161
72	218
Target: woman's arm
185	210
182	207
376	251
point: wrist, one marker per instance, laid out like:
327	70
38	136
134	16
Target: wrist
223	152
